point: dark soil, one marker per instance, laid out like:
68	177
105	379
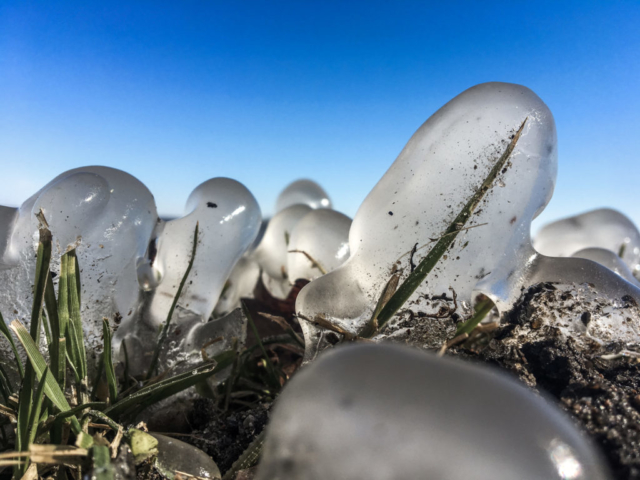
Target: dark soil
602	396
225	435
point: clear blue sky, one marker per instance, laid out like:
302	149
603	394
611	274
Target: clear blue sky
266	92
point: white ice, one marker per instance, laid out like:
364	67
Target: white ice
601	228
229	219
303	192
374	412
108	215
322	235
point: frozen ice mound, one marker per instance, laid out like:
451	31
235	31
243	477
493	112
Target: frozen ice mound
602	228
303	192
381	411
108	216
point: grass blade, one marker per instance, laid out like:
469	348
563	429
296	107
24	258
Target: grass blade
270	368
73	285
5	331
103	469
51	388
482	309
159	391
415	278
165	327
38	398
108	362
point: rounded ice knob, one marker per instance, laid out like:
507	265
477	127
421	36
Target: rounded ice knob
375	412
601	228
108	216
303	192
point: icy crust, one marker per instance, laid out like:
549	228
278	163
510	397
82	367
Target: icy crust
303	192
379	411
108	215
603	228
439	169
322	235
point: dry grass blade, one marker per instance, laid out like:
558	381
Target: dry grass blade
387	293
314	262
415	278
323	322
284	325
165	327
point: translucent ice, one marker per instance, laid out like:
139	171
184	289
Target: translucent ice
319	243
229	219
608	259
602	228
175	457
440	168
240	284
108	215
376	412
303	192
273	252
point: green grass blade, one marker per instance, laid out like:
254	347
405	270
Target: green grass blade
482	309
270	368
38	398
57	352
51	388
151	394
5	385
42	275
4	329
108	362
25	400
73	285
415	278
103	469
165	327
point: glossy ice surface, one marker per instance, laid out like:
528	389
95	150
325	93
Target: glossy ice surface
608	259
324	236
303	192
240	284
108	215
440	168
177	456
374	412
602	228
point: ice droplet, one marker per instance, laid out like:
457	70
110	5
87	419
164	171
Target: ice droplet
382	411
109	216
303	192
322	235
602	228
440	168
177	456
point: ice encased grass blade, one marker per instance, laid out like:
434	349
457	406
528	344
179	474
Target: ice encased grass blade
380	411
229	219
319	243
439	169
108	215
303	192
602	228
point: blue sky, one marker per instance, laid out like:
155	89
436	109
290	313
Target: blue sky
267	92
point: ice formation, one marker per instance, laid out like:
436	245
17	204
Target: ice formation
602	228
109	216
273	252
176	457
229	219
380	411
319	243
608	259
440	168
240	284
303	192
